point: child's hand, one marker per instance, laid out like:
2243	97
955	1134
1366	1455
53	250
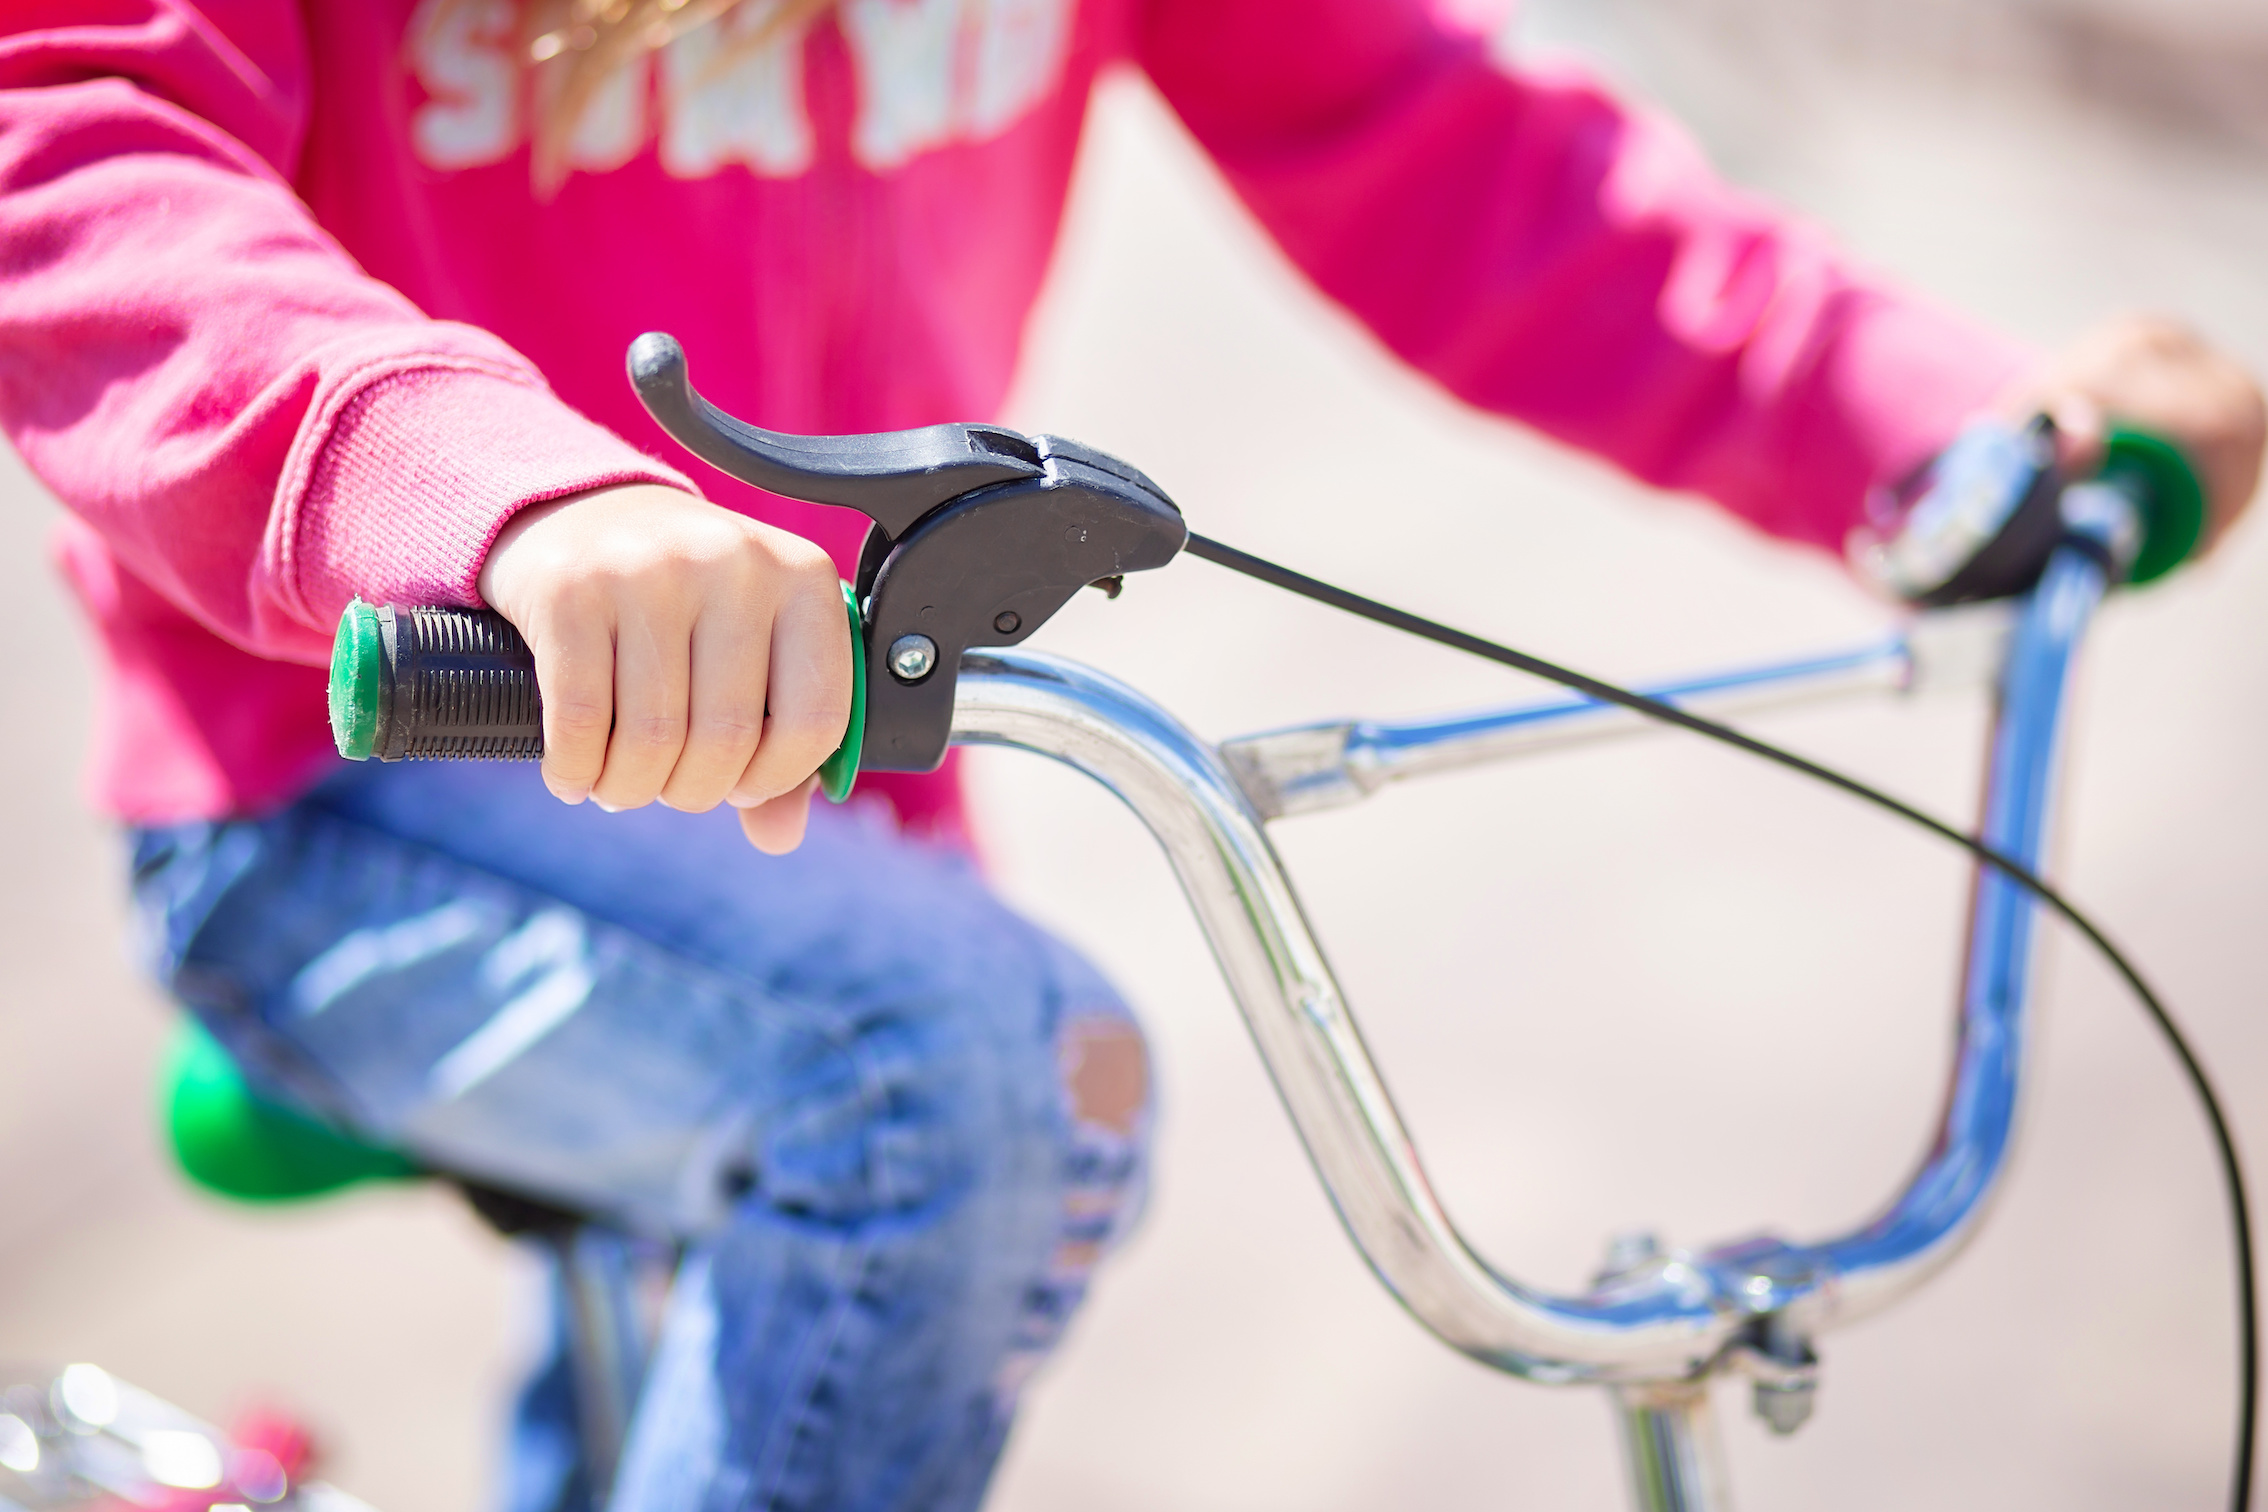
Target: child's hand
685	653
2161	377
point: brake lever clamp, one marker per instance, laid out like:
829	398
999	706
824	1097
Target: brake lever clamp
979	535
1981	519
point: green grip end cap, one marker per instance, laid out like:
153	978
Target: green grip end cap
2173	501
235	1143
358	656
839	772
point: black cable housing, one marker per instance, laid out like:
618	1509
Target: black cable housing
2232	1173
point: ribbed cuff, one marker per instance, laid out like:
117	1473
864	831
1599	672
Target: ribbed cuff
423	467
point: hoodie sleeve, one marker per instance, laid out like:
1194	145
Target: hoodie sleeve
1552	255
255	427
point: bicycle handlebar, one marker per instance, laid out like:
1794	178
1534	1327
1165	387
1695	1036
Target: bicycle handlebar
425	682
468	693
449	682
1662	1316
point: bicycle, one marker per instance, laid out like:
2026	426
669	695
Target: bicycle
980	535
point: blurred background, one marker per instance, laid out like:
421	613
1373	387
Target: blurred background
1653	985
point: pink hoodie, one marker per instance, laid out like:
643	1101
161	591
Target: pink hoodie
282	321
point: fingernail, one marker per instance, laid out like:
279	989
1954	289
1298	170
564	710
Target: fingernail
605	807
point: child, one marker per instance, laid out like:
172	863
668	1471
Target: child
308	301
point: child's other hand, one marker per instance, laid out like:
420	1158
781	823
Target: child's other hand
685	653
2159	376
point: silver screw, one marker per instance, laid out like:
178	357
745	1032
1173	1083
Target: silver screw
912	657
1786	1371
1787	1405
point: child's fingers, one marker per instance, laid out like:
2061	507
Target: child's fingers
776	826
731	655
651	667
683	651
809	691
574	664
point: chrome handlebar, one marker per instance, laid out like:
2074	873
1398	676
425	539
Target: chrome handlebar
1659	1317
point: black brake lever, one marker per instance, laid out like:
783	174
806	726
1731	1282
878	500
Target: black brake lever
980	534
893	478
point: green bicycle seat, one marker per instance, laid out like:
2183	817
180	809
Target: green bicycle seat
231	1141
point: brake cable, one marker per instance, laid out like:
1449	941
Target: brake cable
2232	1174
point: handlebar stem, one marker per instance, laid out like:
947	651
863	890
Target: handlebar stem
1307	768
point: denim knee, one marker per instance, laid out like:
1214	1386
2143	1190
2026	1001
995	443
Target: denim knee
1042	1086
873	1359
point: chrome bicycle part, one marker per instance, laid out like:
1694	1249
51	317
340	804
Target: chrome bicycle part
1659	1327
1670	1445
78	1439
606	1345
1321	766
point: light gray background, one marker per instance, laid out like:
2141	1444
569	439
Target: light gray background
1652	986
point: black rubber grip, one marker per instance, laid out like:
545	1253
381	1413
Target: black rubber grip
455	685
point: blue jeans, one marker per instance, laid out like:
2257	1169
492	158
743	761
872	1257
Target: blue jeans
847	1082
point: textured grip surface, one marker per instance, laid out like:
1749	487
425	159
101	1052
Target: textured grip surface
433	684
464	688
439	684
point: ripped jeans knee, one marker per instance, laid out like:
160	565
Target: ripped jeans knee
1103	1064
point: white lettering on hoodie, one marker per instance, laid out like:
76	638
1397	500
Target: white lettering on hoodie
930	73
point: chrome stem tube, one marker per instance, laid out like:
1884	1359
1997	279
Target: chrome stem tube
597	1279
1670	1447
